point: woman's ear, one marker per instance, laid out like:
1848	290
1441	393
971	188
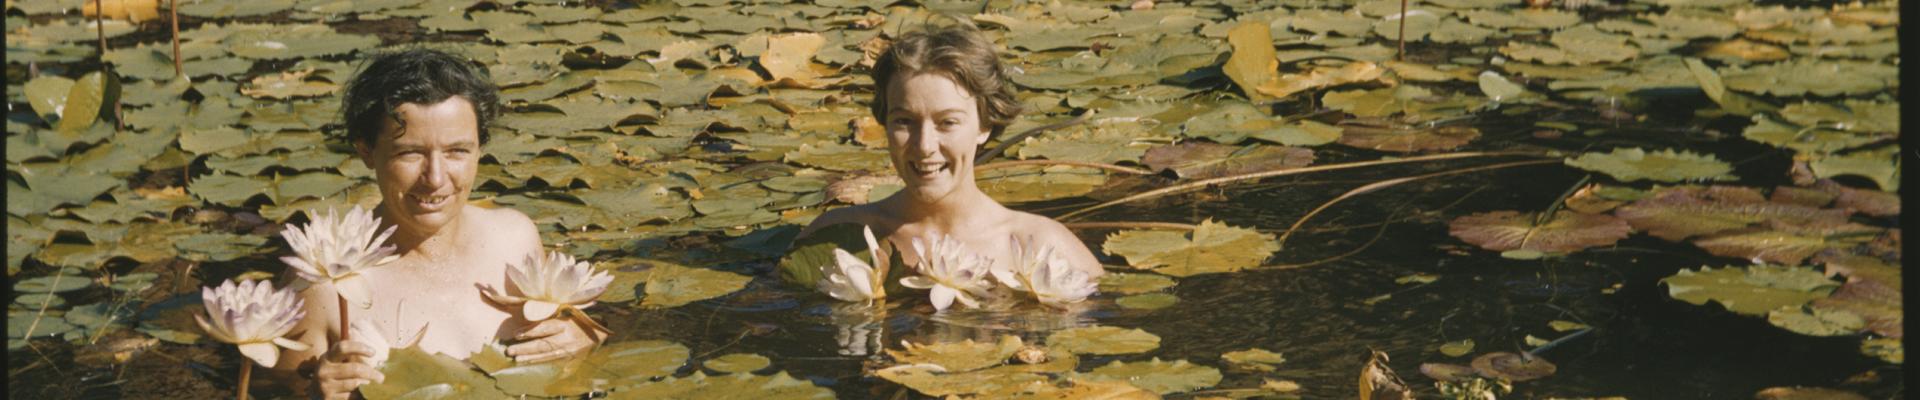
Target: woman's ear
985	134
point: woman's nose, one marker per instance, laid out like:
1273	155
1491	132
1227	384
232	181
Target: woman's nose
435	174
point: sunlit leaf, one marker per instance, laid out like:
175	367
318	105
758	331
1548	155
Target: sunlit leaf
1632	164
415	374
699	386
673	285
1564	233
1103	340
1256	359
1158	376
1211	247
1147	301
1753	290
961	356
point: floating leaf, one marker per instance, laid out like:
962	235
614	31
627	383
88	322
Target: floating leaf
673	285
1211	247
1457	348
1158	376
287	85
1805	393
1511	230
1202	160
415	374
1133	283
1563	326
56	283
1252	64
1498	88
932	380
1753	290
738	363
699	386
92	94
1804	76
1632	164
1684	212
1020	185
1513	367
1256	359
1103	340
1147	301
47	94
1816	321
961	356
1886	349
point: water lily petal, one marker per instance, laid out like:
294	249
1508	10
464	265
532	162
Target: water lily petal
942	297
263	353
499	297
537	310
213	330
355	290
291	344
917	282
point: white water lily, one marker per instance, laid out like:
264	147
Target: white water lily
548	285
254	316
951	271
337	248
1038	270
365	333
850	279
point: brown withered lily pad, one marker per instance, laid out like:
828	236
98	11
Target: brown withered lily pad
1684	212
1513	230
1786	243
1202	160
1513	367
1805	393
1401	140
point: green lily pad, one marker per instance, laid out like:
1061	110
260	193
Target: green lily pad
1158	376
1103	340
415	374
960	356
1147	301
25	324
56	283
1202	160
1803	76
738	363
1632	164
1816	321
1847	115
839	157
1256	359
1457	348
932	380
1754	290
1211	247
1100	143
295	41
218	247
673	285
1021	185
812	254
1134	283
1566	232
1886	349
699	386
637	361
1882	166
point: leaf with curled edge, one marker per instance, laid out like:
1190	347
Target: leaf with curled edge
961	356
1632	164
1212	247
1512	230
1753	290
1678	213
1158	376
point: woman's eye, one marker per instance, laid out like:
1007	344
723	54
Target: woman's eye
949	122
902	121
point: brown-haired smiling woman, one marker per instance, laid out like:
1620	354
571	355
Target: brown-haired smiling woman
941	93
418	119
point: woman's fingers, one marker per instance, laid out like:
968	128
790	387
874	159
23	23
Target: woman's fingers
353	349
543	329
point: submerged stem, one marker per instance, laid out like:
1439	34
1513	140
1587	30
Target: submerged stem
345	328
173	12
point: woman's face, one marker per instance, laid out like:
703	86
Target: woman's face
426	172
933	130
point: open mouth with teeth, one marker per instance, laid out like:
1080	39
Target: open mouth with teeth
928	169
429	202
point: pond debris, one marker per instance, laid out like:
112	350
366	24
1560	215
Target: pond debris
1379	382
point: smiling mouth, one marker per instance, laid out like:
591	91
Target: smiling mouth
929	169
428	203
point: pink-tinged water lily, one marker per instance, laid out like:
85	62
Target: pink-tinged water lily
1038	270
254	316
850	279
548	285
364	332
337	248
951	271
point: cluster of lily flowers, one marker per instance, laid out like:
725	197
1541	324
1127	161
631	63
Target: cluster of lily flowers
335	250
950	272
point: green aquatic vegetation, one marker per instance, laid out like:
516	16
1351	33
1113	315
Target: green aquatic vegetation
1134	283
1666	165
1256	359
1801	77
961	356
1158	376
1754	290
1147	301
1103	340
1564	232
671	285
738	363
1212	247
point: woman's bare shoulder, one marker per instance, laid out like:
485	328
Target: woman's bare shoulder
503	228
864	214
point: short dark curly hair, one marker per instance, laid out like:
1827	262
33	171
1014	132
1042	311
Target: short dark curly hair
419	76
959	52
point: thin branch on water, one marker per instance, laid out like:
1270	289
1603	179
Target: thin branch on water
1396	181
1104	166
1403	32
173	10
1195	185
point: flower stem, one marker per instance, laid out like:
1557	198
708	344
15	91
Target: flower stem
344	329
246	376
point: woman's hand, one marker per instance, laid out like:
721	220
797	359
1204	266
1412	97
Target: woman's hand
552	339
346	366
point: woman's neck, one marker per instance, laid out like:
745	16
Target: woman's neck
954	212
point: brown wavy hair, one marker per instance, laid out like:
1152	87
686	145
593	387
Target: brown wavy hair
959	52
